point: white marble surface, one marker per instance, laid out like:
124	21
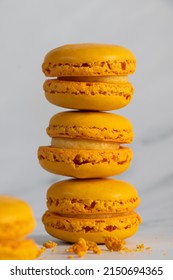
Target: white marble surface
28	30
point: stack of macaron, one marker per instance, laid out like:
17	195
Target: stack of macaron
87	143
16	221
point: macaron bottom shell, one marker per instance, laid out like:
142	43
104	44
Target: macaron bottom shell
17	229
85	163
18	250
88	96
91	229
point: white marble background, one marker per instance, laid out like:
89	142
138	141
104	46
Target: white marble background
28	30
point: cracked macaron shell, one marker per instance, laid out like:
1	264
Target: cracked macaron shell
85	163
16	218
100	126
92	196
89	60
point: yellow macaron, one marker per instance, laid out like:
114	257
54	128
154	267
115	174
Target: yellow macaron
92	209
16	218
16	221
87	144
89	76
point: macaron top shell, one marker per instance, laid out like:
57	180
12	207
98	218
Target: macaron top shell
93	125
92	196
89	59
102	189
13	209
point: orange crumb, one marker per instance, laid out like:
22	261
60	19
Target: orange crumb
50	244
92	246
42	249
127	250
78	248
140	247
70	257
82	246
148	248
114	244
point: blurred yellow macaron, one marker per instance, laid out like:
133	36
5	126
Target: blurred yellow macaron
16	218
16	221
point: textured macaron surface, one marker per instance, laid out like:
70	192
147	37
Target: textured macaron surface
92	209
89	60
101	96
85	163
95	196
91	125
89	76
121	226
16	218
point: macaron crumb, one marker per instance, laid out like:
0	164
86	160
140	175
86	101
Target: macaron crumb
148	248
70	257
42	249
82	246
114	244
92	246
138	248
50	244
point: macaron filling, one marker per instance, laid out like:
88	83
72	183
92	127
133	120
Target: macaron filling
85	144
96	79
